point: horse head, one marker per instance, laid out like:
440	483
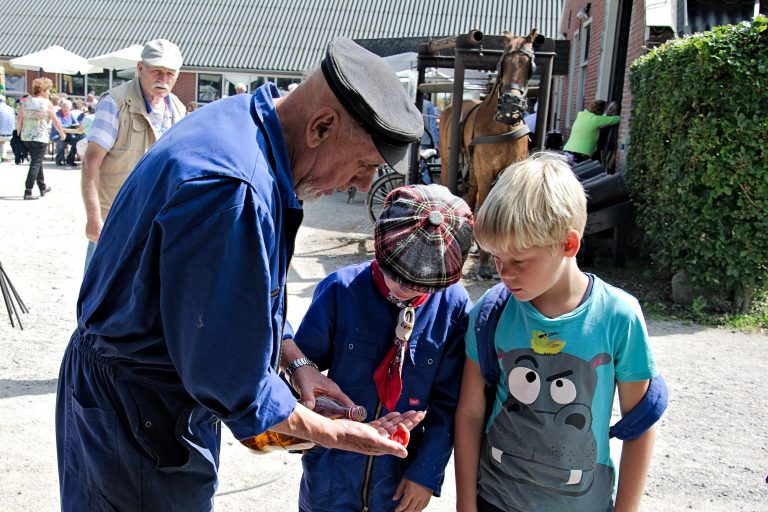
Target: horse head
514	70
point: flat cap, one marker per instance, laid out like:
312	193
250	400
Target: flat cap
368	88
422	237
160	53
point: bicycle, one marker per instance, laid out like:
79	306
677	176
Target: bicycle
388	180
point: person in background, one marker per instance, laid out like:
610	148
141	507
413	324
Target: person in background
563	343
240	88
7	125
129	119
86	122
608	144
191	106
77	109
181	312
68	121
55	99
530	120
431	137
585	132
421	241
33	123
91	99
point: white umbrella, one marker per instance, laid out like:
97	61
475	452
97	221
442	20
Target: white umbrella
55	59
119	59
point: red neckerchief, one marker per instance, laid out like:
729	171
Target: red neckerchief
389	374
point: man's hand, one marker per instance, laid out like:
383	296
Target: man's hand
308	381
362	438
365	438
93	229
413	497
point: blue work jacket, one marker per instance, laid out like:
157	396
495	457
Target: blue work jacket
347	330
186	289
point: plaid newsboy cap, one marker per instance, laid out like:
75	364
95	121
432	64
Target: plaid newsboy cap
422	237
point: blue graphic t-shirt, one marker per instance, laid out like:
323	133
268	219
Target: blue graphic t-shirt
546	444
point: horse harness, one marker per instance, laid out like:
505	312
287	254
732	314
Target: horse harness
511	108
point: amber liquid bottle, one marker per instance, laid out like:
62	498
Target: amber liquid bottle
328	407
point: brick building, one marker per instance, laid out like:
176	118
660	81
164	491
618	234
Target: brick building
608	35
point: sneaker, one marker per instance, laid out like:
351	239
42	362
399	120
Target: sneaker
44	191
28	196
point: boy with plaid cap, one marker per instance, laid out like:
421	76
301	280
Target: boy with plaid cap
390	333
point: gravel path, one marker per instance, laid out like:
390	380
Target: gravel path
712	448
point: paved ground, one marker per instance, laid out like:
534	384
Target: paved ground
712	449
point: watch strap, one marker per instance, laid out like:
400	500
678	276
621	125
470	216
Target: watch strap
298	363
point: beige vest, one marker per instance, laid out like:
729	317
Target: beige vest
134	138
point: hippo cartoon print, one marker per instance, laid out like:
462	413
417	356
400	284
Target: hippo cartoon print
542	436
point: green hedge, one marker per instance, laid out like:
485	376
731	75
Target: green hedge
697	166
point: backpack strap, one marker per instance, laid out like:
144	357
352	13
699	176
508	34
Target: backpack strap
645	413
485	329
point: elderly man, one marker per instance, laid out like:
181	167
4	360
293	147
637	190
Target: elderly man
240	88
129	119
181	313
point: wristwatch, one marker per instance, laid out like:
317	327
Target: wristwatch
298	363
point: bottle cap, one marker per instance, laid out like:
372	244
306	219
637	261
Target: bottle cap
358	413
401	435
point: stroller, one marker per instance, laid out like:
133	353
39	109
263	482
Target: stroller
20	152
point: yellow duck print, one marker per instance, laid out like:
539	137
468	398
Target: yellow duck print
541	344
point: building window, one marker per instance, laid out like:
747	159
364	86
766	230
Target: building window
586	33
257	82
98	82
122	75
283	83
72	85
208	87
15	81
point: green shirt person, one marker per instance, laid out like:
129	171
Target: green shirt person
585	131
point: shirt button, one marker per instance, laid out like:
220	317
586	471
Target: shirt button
429	361
351	346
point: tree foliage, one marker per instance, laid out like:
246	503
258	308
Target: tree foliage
697	164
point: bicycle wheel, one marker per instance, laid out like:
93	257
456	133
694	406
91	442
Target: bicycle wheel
379	191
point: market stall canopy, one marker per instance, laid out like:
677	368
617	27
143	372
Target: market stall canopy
55	59
119	59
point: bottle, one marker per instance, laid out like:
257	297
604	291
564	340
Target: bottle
270	441
332	409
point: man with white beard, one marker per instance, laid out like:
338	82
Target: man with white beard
182	310
129	119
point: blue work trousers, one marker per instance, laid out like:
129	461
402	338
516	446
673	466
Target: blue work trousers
125	444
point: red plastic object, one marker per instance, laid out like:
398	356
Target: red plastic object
401	435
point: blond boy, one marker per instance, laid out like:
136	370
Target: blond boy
564	339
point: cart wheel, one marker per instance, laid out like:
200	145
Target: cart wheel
379	191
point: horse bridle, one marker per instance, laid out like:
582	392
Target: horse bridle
511	108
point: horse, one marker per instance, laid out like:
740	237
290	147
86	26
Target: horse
494	134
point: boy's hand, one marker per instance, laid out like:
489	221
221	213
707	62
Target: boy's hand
413	497
388	424
308	381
